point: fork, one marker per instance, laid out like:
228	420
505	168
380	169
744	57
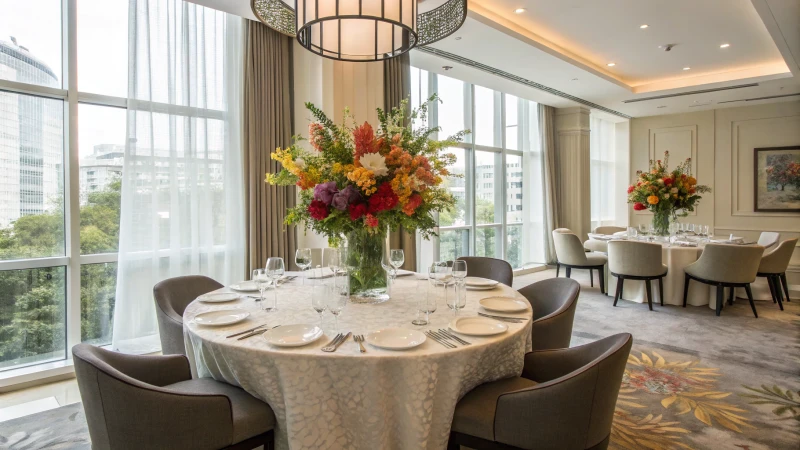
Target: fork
439	340
339	340
453	336
359	338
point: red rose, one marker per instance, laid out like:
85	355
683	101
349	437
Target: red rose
357	210
638	206
371	221
318	210
668	181
383	199
630	189
413	204
692	191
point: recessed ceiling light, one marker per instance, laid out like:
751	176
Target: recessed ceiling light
611	64
643	26
458	38
519	10
687	68
724	45
447	67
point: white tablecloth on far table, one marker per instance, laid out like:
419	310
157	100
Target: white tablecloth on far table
348	400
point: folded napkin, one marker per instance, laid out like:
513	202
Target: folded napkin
685	244
404	273
621	233
600	237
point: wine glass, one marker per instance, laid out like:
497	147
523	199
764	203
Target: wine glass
274	271
319	299
262	281
338	297
643	229
459	271
302	257
396	258
331	258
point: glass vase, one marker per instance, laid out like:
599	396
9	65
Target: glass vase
368	280
661	222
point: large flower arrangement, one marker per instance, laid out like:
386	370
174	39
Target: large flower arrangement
668	194
357	182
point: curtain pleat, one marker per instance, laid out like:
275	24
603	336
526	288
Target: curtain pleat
396	88
547	133
268	125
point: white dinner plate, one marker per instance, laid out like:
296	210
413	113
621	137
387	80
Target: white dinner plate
245	286
395	338
221	317
478	326
480	288
503	304
480	282
218	297
293	335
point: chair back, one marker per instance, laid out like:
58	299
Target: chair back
727	263
491	268
172	296
609	230
633	258
569	249
777	261
554	302
768	239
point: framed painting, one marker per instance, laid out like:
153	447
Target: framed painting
777	179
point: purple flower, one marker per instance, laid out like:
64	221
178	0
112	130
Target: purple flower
345	197
324	192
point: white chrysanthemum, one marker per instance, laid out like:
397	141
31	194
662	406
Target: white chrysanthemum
375	163
301	163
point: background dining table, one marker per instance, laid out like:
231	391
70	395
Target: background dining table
351	400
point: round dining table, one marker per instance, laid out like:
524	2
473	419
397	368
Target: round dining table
381	399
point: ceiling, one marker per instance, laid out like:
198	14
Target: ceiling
566	44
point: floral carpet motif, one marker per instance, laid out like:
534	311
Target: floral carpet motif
671	400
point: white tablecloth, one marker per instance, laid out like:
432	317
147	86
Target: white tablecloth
348	400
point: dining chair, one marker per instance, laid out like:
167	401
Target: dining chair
773	267
608	230
571	254
492	268
151	402
725	266
768	238
597	245
632	260
564	400
172	296
553	302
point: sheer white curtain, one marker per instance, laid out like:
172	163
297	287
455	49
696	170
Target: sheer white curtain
533	185
182	189
602	155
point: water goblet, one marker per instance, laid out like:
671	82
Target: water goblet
261	280
275	271
338	297
319	298
302	257
396	258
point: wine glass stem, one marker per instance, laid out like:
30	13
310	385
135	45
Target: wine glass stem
275	296
336	322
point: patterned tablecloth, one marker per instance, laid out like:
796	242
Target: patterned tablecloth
347	400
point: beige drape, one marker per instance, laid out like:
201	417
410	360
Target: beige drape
396	87
267	125
547	133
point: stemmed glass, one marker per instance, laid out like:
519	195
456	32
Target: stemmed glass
459	276
302	257
262	281
338	297
331	258
319	299
275	271
396	259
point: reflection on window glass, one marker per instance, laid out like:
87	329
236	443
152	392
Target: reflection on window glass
486	117
98	290
102	150
514	189
456	185
103	47
30	42
451	108
488	187
31	187
452	244
32	316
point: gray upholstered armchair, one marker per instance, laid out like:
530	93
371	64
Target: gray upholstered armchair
172	296
553	302
601	246
571	254
773	266
151	402
491	268
564	400
632	260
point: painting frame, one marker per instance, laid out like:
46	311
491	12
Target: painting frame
758	174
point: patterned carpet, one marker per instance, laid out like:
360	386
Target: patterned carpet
693	381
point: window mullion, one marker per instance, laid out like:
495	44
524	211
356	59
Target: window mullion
503	177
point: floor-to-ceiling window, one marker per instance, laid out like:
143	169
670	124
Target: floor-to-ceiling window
496	179
603	168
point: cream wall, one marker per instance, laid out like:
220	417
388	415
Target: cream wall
721	144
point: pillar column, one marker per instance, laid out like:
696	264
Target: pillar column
575	209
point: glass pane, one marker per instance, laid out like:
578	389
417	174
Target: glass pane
457	186
98	290
452	244
451	109
103	47
530	126
487	117
488	187
31	188
32	316
102	148
419	91
512	122
514	189
487	242
514	246
30	42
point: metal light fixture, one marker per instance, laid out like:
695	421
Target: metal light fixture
361	30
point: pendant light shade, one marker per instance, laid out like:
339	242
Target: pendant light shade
357	30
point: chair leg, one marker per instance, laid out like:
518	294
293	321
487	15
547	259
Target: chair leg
649	294
772	286
750	298
778	292
591	278
661	290
685	288
785	286
618	292
569	272
720	296
453	445
601	275
558	269
730	296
